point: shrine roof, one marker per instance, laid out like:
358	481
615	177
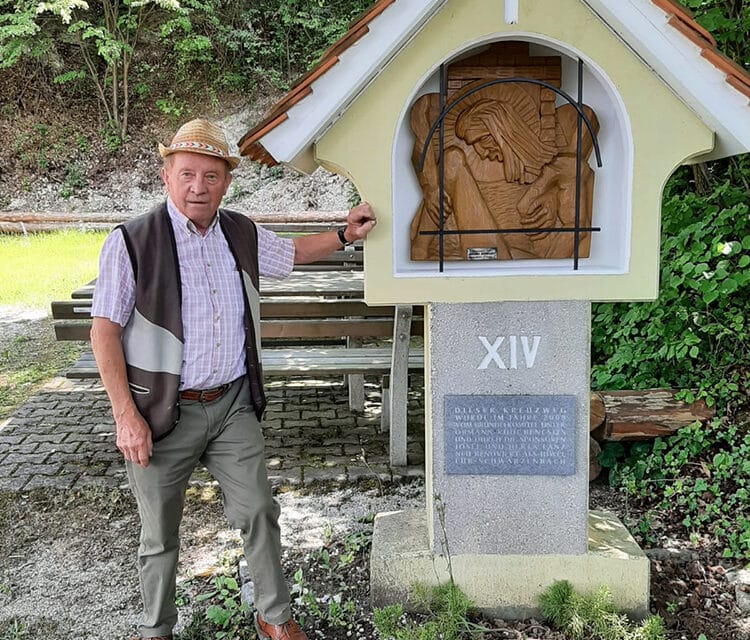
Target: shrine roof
663	33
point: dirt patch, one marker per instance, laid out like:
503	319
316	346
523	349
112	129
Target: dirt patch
67	560
60	167
67	566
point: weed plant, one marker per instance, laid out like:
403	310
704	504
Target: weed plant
593	616
446	610
336	607
218	610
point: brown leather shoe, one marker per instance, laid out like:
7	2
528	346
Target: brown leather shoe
287	631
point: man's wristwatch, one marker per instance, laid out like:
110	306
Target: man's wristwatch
342	238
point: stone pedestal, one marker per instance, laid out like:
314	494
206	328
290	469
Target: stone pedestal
507	404
507	586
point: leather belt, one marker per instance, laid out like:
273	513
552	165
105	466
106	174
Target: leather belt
205	395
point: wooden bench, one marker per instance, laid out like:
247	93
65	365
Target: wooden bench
303	336
313	322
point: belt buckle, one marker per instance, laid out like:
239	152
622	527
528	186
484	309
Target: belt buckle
209	395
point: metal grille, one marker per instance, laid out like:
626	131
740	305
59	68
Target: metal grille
439	126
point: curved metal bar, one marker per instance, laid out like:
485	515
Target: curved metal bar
490	83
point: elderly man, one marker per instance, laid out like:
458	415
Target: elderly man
176	337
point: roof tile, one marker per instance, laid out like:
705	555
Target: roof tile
727	65
685	16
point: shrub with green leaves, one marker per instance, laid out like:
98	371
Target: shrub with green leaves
117	51
695	335
727	20
233	44
697	478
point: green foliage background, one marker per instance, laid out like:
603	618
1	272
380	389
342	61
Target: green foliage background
694	337
219	41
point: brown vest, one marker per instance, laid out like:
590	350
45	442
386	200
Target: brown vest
153	340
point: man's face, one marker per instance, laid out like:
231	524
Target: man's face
196	183
485	145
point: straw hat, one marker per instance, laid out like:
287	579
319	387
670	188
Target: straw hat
200	136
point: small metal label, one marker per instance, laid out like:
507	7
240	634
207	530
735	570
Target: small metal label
481	253
510	435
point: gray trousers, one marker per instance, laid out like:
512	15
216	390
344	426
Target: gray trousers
226	437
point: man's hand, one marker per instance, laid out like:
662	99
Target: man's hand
359	222
134	437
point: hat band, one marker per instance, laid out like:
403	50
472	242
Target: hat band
176	146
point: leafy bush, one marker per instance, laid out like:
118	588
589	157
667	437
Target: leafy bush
268	39
698	479
728	21
117	51
19	32
695	335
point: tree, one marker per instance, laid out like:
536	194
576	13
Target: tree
109	34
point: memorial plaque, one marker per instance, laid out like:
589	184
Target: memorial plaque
481	253
510	435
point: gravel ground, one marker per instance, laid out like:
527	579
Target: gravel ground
68	570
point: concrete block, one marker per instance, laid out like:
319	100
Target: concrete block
508	350
506	586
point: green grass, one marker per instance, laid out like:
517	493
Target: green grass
39	268
34	271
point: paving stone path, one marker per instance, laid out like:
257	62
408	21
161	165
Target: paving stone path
63	437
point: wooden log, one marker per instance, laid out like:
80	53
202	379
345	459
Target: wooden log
28	221
597	412
646	414
62	216
594	467
22	228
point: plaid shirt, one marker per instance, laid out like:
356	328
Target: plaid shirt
212	304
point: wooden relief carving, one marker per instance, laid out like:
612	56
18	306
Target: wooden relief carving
509	162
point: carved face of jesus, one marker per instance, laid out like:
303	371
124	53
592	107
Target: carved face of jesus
484	144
